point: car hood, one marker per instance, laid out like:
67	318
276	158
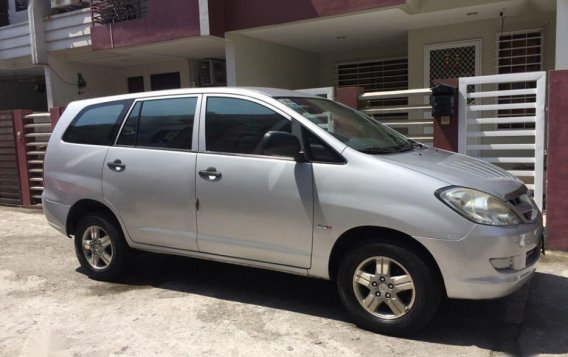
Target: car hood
458	170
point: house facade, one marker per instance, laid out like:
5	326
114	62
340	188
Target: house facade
53	52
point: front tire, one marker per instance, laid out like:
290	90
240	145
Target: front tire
388	289
100	247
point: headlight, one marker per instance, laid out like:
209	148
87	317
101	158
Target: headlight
477	206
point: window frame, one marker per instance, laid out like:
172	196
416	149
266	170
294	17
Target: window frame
340	159
196	123
203	118
128	104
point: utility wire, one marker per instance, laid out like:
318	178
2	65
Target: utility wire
58	75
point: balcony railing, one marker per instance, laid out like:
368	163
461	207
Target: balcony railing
114	11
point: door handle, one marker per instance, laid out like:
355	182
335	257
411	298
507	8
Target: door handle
210	174
116	165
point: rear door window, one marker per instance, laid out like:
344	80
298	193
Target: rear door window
161	123
97	124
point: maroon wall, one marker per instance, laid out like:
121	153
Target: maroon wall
242	14
173	19
166	20
557	166
349	96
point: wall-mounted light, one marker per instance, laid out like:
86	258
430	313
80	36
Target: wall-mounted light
81	82
341	37
473	13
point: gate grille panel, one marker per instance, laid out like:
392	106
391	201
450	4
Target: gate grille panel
9	178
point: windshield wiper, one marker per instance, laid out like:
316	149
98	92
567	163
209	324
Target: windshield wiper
411	146
375	150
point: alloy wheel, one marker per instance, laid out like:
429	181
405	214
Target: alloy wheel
384	287
97	247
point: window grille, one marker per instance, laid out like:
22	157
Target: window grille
518	52
454	62
378	75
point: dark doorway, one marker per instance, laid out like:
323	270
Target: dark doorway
165	81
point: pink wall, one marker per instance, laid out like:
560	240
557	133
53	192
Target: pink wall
166	20
557	166
172	19
242	14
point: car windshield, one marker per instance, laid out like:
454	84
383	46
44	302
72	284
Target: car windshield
351	127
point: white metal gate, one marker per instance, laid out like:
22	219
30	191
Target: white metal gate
502	121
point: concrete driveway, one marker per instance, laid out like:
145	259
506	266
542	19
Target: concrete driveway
180	306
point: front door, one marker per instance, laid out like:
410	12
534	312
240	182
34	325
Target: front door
149	175
251	206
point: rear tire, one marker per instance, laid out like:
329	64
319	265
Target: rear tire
388	289
100	247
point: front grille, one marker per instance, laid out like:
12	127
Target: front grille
525	207
532	256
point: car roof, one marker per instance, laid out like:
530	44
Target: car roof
254	91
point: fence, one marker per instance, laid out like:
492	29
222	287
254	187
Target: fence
502	121
23	140
9	177
412	120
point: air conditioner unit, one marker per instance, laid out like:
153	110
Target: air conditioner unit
66	4
212	72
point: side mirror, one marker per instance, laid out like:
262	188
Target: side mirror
279	143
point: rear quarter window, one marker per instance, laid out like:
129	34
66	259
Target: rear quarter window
97	124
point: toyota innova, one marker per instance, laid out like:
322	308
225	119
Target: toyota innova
283	180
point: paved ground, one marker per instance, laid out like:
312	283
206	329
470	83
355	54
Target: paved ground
180	306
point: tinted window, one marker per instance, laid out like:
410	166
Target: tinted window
97	125
164	123
238	125
130	129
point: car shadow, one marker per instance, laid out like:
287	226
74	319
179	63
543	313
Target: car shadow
496	325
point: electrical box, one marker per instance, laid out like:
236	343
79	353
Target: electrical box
443	100
212	72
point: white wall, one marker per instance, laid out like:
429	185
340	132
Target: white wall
106	80
185	67
561	34
61	81
486	31
253	62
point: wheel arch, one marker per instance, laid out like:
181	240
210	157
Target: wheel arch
84	207
372	234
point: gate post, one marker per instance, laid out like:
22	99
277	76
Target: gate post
557	167
55	113
349	96
19	130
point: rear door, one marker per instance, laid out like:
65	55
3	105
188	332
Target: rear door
251	205
149	175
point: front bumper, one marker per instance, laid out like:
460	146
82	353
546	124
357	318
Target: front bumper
465	264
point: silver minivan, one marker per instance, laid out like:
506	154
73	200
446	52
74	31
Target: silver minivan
283	180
